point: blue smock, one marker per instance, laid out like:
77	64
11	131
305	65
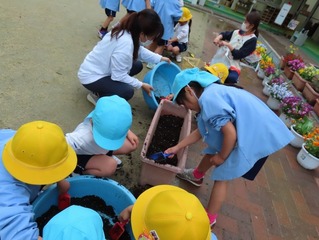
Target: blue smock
169	12
260	132
113	5
134	5
16	214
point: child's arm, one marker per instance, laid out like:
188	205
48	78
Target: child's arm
125	214
229	142
190	139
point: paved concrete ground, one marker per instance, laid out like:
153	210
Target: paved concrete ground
42	45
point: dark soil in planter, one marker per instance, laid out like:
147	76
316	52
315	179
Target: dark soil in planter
166	135
96	203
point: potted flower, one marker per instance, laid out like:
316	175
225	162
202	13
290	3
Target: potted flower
274	80
292	108
265	62
290	55
308	72
292	66
277	93
308	156
299	129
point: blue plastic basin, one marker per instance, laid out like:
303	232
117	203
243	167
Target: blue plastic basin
110	191
161	78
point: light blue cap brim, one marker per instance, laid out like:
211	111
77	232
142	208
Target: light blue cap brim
192	75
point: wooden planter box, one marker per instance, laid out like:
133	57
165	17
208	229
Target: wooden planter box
154	173
310	94
289	74
298	82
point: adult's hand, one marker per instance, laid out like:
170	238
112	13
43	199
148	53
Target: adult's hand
218	40
147	88
165	59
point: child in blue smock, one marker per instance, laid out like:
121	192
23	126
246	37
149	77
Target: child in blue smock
110	7
135	5
169	13
239	129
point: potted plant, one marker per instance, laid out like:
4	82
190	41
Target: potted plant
277	93
293	66
265	62
292	108
274	80
299	129
308	156
290	55
308	72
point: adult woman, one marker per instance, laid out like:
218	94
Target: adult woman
238	44
108	69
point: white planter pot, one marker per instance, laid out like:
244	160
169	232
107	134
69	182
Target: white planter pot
260	73
298	140
286	120
266	90
265	80
273	103
305	159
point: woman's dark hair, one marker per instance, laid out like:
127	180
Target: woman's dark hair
254	18
146	21
198	89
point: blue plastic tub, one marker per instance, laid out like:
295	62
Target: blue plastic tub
161	78
110	191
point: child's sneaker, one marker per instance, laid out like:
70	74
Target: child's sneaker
188	176
179	58
101	33
118	161
92	98
212	219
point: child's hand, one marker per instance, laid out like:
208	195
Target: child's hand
125	214
172	150
216	160
133	139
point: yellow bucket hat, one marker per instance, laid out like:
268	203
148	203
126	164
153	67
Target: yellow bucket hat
167	212
186	16
38	154
220	70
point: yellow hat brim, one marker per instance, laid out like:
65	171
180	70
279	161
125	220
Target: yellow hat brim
37	175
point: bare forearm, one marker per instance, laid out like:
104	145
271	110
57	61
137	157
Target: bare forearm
190	139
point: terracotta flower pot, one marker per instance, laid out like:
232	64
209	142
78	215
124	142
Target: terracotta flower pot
298	82
305	159
289	74
316	107
310	94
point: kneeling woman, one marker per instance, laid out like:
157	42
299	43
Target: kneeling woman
109	68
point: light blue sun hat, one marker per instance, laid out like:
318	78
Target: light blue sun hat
192	74
75	223
112	119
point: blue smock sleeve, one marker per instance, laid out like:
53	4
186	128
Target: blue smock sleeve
217	113
16	218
